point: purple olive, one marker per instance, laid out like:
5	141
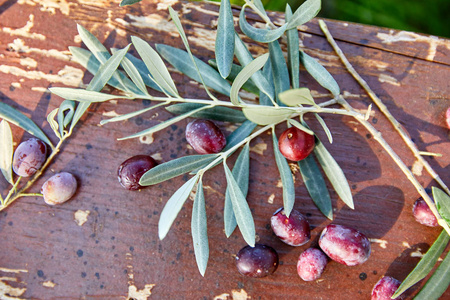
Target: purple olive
258	261
345	245
311	264
422	213
385	288
294	230
59	188
29	157
205	137
131	171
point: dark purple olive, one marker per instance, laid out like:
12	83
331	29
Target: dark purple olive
205	137
294	230
258	261
59	188
131	171
29	157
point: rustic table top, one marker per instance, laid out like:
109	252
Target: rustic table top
103	244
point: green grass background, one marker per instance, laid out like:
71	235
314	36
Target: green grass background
429	17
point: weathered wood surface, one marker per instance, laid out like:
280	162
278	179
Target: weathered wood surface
49	253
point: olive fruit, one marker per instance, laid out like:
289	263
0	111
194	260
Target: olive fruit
294	230
345	245
447	117
311	264
205	137
385	288
59	188
296	144
422	213
130	171
29	157
258	261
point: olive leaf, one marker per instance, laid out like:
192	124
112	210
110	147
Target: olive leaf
17	118
264	99
219	113
143	71
129	2
174	168
174	205
293	42
131	114
425	264
259	34
180	59
155	65
53	123
199	229
325	127
296	97
260	7
224	44
6	151
300	126
334	173
244	218
264	115
164	124
442	201
244	75
438	283
84	95
308	10
319	73
239	134
280	75
65	114
134	74
286	177
249	86
316	186
241	173
245	57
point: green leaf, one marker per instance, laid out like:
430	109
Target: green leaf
129	2
134	74
286	177
53	123
442	201
300	126
174	168
143	71
199	229
280	71
265	115
6	151
224	46
174	205
319	73
180	59
260	6
219	113
244	75
308	10
241	209
325	127
438	282
297	97
83	95
65	114
293	42
241	173
164	124
17	118
245	57
316	186
259	34
249	86
131	114
268	74
334	173
155	65
239	134
425	264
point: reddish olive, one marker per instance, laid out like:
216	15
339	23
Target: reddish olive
296	144
131	171
29	157
205	137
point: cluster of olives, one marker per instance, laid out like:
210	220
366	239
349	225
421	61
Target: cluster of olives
29	157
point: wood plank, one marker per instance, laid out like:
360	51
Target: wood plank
116	253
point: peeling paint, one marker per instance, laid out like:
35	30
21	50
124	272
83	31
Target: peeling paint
417	168
28	62
133	292
8	292
224	296
381	243
271	198
50	6
111	114
157	156
40	89
16	85
81	216
146	139
25	31
259	148
417	254
388	79
406	36
18	45
164	4
49	284
239	295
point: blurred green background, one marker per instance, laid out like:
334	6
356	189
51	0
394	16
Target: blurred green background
430	17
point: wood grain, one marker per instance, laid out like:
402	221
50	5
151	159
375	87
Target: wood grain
46	253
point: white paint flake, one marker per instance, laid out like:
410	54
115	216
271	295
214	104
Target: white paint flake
81	216
68	75
25	31
381	243
18	45
388	79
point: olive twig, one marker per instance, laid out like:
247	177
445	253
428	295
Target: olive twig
418	154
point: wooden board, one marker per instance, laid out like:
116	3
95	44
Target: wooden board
51	253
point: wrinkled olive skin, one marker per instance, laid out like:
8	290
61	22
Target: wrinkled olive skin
29	157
